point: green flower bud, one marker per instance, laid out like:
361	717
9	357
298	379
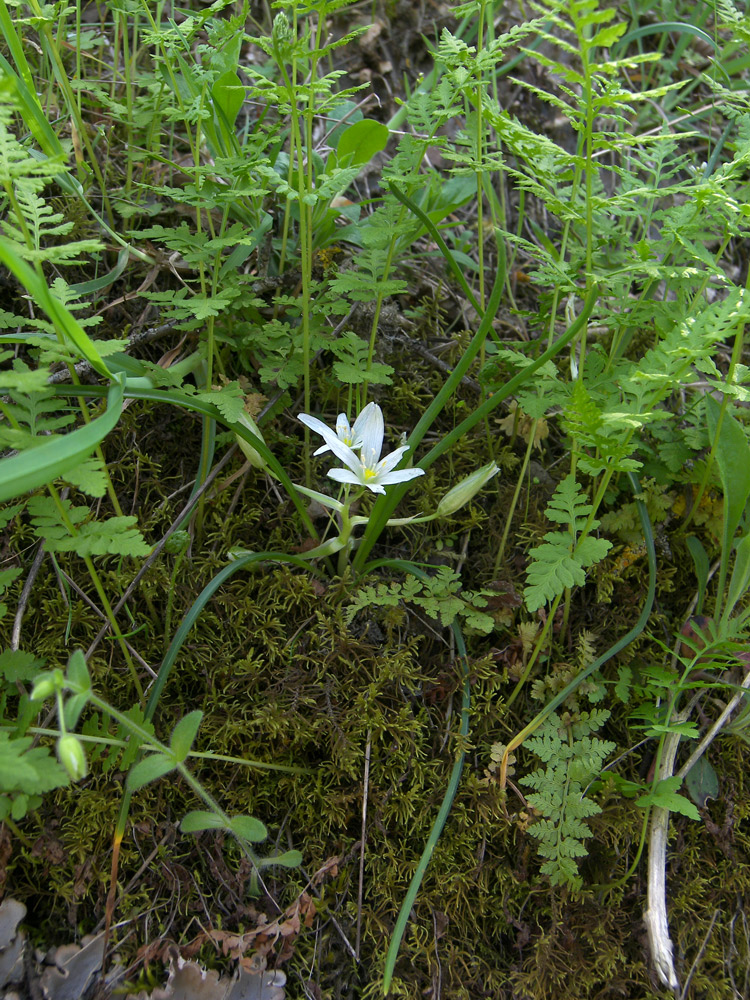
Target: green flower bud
46	685
72	756
247	449
177	542
466	489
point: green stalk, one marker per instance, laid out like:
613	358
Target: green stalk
514	501
384	506
613	650
450	792
73	532
64	84
297	148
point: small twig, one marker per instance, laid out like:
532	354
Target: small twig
15	638
420	349
83	368
701	952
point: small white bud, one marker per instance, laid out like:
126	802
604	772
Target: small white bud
72	756
466	489
247	449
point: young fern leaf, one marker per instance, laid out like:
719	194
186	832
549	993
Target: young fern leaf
351	368
561	560
439	597
573	758
117	536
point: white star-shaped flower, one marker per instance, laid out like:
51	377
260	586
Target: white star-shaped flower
368	469
350	436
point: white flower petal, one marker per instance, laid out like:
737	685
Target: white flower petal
391	461
345	476
315	425
371	433
401	476
340	450
360	423
345	453
343	430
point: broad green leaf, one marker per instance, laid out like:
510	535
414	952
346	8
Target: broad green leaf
117	536
666	796
149	769
89	477
346	113
201	819
41	465
378	373
248	828
289	859
31	769
184	734
19	665
607	37
78	672
701	782
361	142
229	96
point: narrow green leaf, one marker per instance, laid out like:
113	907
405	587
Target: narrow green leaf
31	469
702	567
62	318
733	460
740	579
73	708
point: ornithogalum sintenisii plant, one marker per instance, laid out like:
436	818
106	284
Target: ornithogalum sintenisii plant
359	447
369	469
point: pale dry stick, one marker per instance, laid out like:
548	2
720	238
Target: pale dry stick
655	917
15	638
98	611
363	841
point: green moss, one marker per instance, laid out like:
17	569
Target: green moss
281	679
